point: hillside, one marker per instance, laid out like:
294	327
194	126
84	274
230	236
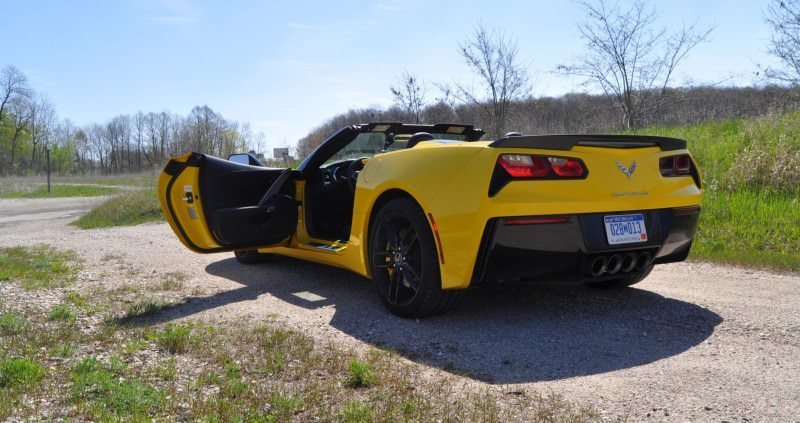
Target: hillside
751	170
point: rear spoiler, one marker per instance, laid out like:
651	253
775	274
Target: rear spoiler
566	142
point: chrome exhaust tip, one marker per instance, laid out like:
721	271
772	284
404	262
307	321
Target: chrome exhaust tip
628	262
598	266
614	264
643	260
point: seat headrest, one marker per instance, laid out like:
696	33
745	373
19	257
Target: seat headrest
417	138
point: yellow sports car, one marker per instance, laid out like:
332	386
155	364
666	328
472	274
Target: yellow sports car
425	211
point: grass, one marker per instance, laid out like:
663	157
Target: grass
127	209
58	191
175	338
220	371
361	375
38	267
751	202
17	372
100	388
62	313
12	324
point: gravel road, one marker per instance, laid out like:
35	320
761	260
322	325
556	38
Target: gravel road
693	342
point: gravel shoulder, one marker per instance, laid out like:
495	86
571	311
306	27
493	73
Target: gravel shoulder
694	341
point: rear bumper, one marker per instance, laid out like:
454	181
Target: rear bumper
567	250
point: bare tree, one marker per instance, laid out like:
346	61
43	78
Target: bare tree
13	83
492	56
410	95
784	18
629	58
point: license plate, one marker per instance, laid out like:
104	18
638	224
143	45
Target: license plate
625	229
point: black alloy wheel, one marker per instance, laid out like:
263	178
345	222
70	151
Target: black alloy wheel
405	262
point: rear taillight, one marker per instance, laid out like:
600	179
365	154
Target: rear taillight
680	165
541	167
675	165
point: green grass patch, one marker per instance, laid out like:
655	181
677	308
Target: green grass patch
750	228
361	375
59	191
127	209
175	338
103	392
16	372
357	412
38	267
62	313
12	324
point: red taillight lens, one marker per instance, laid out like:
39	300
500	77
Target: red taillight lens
527	166
524	166
683	165
568	168
675	165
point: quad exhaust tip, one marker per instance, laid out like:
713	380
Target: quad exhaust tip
619	263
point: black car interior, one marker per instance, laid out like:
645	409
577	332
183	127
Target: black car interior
243	204
330	192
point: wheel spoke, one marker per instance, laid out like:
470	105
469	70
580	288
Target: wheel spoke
391	233
394	287
408	240
410	275
381	256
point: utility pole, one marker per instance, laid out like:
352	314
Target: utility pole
47	156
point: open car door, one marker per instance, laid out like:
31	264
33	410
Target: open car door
216	205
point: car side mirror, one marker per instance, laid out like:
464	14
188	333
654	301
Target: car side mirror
245	158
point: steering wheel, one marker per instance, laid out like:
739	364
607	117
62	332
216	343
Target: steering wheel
351	173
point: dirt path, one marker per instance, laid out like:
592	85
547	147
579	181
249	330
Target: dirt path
694	341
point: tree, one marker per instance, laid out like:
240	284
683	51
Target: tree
492	56
13	83
784	18
20	111
410	95
630	59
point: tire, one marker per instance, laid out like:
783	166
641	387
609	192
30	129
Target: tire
626	281
405	263
252	257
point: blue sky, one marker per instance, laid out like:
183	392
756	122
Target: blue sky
286	66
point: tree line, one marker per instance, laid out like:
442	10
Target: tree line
30	128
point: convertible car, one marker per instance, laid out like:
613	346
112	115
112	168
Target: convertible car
425	211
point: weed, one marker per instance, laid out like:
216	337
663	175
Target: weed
63	350
357	412
173	281
165	369
361	375
143	307
62	313
76	299
12	324
283	407
175	338
15	372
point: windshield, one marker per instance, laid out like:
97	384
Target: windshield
368	144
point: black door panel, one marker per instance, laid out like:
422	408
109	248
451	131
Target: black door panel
231	194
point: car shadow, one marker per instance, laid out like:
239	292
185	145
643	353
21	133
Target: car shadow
512	333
